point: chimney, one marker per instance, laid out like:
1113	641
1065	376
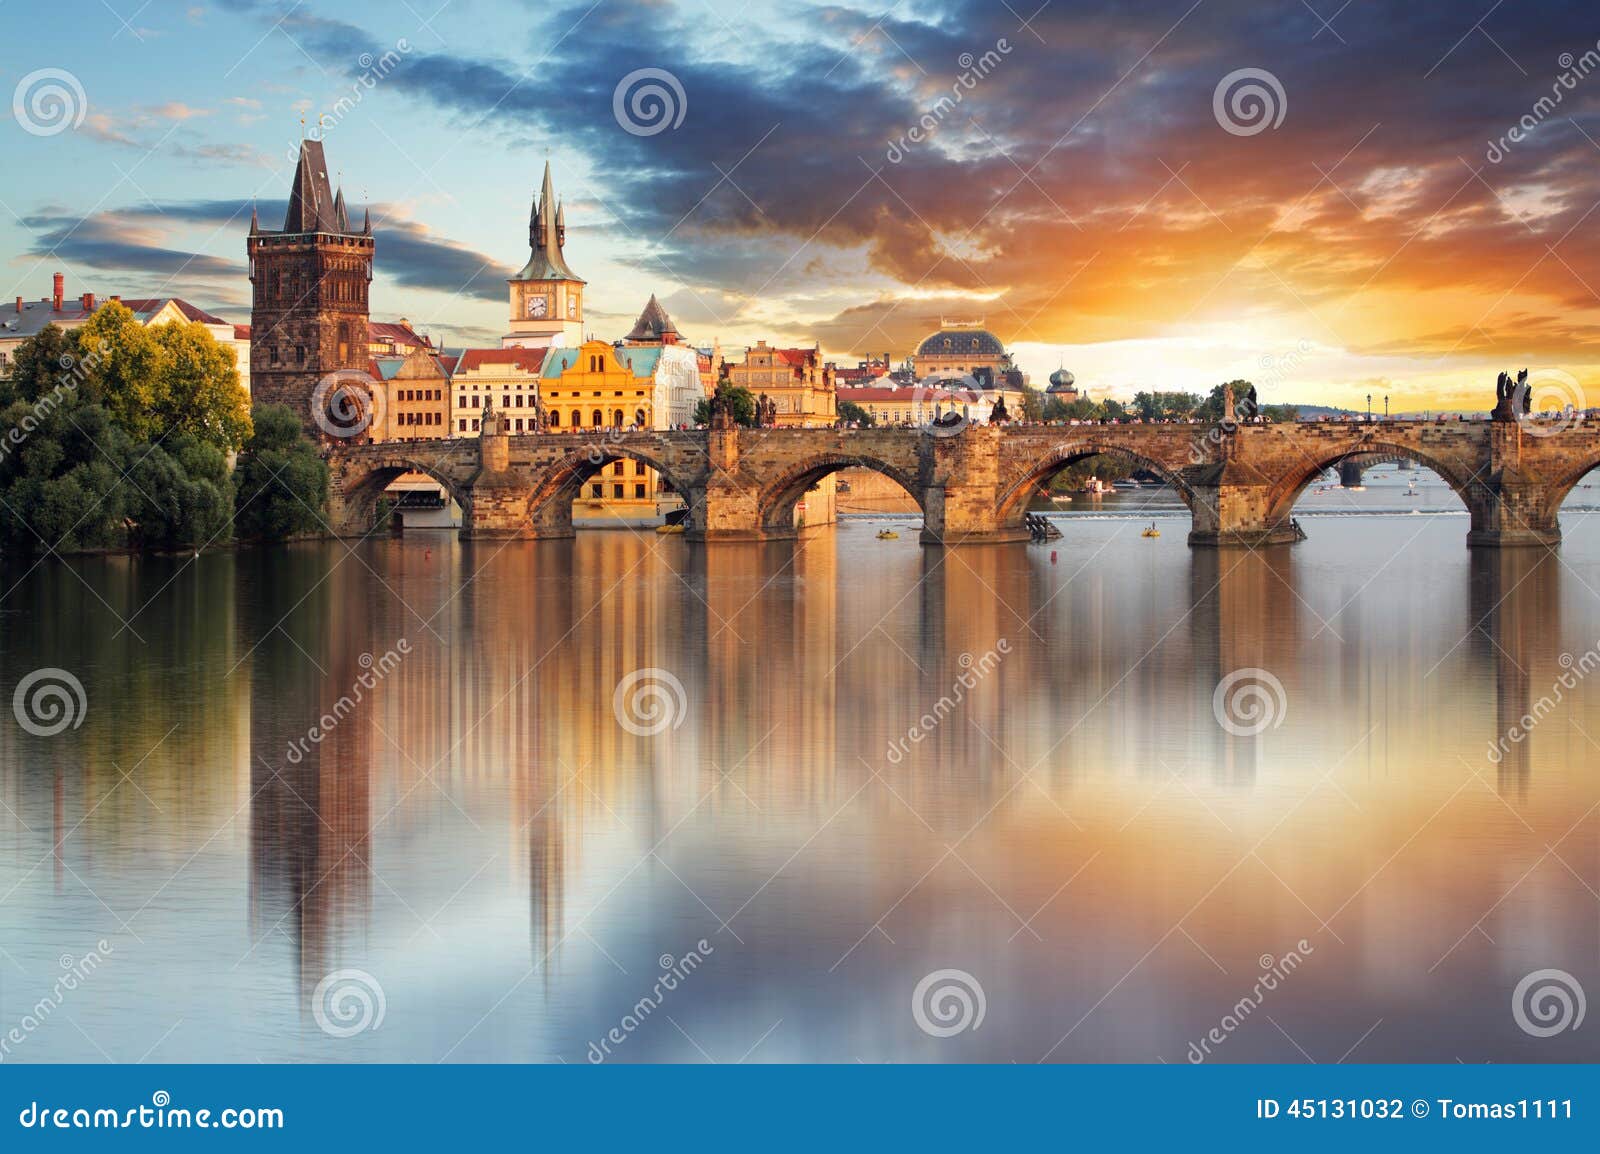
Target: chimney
60	291
116	298
87	301
19	304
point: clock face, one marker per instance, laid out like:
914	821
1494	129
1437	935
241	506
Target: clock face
572	308
538	306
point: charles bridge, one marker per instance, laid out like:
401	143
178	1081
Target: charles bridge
973	485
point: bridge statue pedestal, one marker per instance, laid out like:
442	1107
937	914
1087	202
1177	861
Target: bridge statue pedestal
1521	508
1235	505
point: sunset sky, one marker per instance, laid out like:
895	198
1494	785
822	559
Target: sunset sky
1092	194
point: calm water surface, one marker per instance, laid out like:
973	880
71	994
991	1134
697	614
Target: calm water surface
1077	832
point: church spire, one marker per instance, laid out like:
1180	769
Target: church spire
547	233
341	215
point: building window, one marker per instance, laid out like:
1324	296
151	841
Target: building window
616	491
638	468
616	467
519	424
519	400
475	424
596	490
638	417
598	418
555	420
463	424
638	492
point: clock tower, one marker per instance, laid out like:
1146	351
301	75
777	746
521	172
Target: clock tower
546	296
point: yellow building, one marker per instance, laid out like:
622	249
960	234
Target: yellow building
416	397
795	380
600	390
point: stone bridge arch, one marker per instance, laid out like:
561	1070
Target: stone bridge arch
555	485
1561	485
1014	495
777	496
1288	487
358	480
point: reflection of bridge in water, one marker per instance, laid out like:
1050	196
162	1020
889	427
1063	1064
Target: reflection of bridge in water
1240	483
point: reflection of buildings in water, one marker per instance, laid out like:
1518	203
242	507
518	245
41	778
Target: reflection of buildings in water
1516	624
310	819
1244	617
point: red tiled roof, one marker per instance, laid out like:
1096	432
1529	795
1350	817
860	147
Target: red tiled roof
528	360
392	333
241	332
868	393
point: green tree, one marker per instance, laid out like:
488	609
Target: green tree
121	363
740	399
1032	404
850	411
280	482
197	390
162	380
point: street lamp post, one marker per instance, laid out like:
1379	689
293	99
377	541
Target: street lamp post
1369	407
1386	406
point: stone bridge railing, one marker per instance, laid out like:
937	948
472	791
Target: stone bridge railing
973	486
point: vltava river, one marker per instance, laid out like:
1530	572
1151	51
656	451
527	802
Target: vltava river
504	853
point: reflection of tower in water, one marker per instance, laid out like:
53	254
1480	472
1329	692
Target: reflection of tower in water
310	818
1516	620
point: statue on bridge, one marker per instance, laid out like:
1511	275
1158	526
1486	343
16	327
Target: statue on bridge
766	412
720	406
1252	407
1512	397
999	415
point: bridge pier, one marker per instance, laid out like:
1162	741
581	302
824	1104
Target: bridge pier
1349	475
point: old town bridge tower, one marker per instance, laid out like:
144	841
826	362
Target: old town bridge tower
308	316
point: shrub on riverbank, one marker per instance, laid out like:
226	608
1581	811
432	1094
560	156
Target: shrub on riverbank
281	482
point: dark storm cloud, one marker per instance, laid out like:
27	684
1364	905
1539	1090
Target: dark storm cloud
132	240
1090	149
